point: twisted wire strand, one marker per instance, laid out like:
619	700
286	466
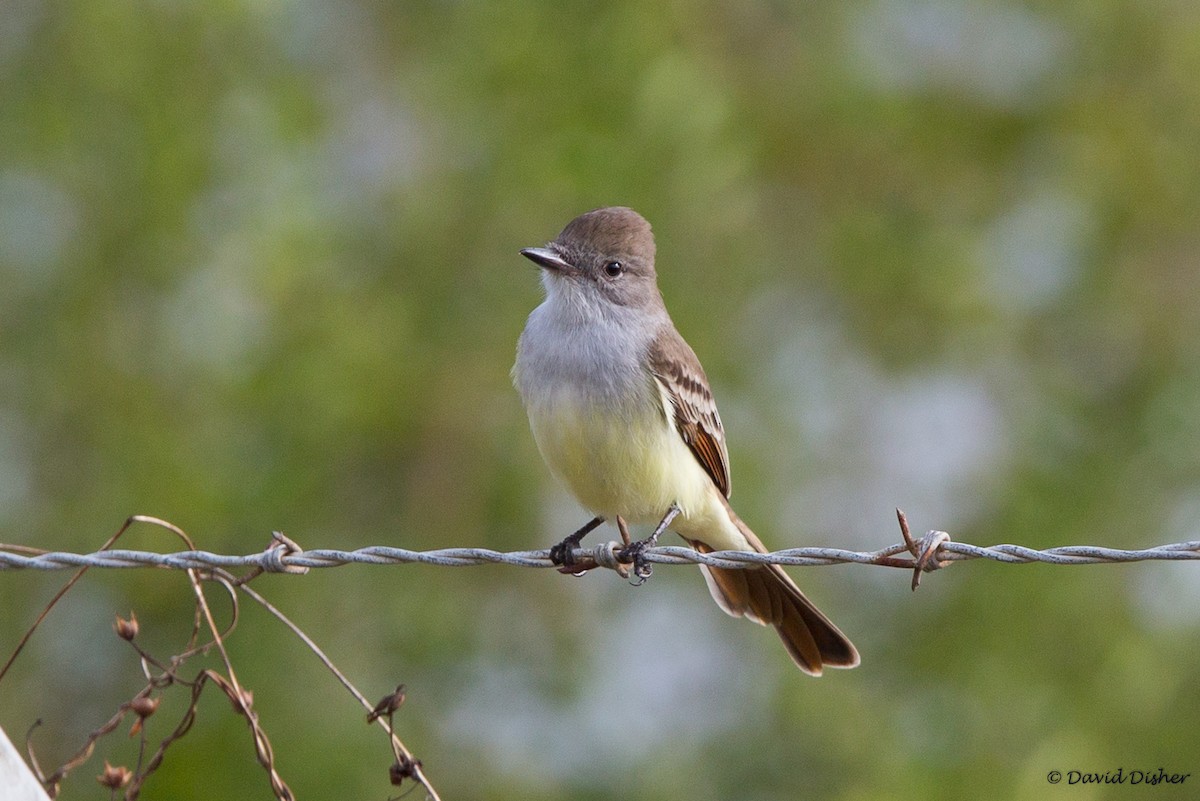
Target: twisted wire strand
935	550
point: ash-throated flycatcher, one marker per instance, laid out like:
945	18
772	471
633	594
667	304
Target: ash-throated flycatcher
623	415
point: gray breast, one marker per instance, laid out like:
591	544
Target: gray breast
600	359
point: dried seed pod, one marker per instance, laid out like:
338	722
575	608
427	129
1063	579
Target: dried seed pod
126	629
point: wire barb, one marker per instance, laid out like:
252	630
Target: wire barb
924	552
281	546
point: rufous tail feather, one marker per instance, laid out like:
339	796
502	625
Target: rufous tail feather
768	596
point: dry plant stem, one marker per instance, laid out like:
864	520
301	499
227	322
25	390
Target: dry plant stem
407	765
58	597
403	755
231	687
237	695
189	717
38	773
167	676
262	745
52	782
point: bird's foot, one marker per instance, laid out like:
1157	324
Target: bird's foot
563	554
635	552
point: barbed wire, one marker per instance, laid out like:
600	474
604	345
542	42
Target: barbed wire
584	557
283	555
933	551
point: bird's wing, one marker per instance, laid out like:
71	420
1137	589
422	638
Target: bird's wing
679	374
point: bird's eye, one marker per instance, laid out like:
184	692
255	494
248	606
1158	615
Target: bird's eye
614	268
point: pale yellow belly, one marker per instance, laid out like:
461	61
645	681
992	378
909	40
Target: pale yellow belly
620	462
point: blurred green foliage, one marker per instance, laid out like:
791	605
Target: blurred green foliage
258	271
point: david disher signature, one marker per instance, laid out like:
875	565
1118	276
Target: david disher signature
1118	776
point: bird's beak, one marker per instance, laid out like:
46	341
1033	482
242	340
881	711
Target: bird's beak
545	257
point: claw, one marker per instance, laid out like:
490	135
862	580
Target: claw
635	552
563	554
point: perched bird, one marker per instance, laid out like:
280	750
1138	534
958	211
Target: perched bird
622	413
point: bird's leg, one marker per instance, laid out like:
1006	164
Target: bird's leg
623	527
635	551
562	554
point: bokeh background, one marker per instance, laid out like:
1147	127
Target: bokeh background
258	270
